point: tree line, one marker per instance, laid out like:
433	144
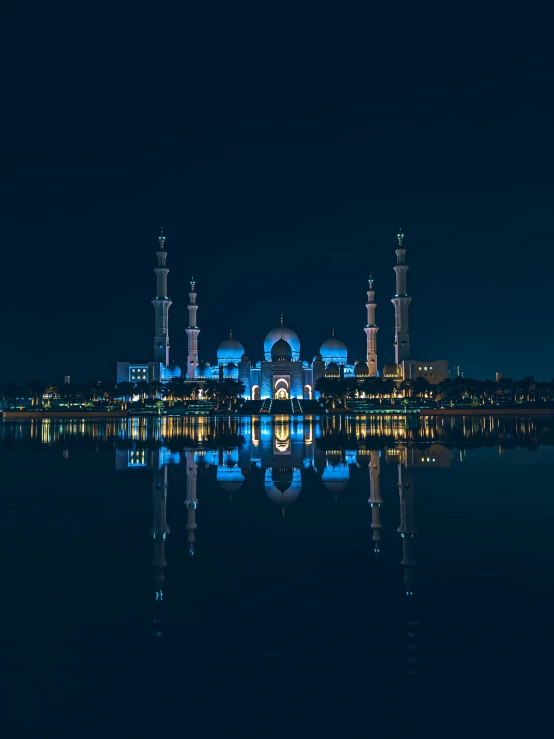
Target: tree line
466	391
460	390
45	394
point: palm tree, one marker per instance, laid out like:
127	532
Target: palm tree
407	387
232	389
142	390
155	388
489	391
174	389
124	390
36	388
372	386
330	388
213	391
107	391
388	387
443	392
93	391
421	387
10	392
51	392
190	390
349	387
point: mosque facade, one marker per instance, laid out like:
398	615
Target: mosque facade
282	373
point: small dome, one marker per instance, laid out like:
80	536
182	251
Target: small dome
390	370
335	478
282	486
229	475
169	372
334	350
332	369
229	350
203	369
231	370
281	350
318	358
361	370
245	358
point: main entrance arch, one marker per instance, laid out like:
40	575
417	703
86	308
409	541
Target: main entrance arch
255	394
281	387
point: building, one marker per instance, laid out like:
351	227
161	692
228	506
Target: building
281	373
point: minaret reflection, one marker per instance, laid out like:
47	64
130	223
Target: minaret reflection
375	499
408	459
160	529
191	500
407	528
156	460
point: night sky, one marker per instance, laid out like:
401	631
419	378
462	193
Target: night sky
280	152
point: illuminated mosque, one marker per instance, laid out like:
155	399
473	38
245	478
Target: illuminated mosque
281	374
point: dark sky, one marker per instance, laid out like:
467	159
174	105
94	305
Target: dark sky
280	150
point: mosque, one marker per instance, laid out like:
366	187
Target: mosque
281	374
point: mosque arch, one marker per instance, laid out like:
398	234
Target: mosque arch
281	389
255	393
308	393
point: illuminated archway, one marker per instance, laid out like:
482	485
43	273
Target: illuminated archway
281	389
255	392
308	392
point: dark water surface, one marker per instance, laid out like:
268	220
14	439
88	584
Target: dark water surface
198	578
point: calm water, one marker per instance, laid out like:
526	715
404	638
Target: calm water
244	578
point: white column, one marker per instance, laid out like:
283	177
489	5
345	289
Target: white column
161	308
401	301
371	331
192	333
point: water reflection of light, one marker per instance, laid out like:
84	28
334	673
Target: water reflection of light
282	438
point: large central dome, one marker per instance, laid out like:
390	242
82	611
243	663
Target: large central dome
282	332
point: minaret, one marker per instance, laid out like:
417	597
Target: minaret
192	332
375	499
371	330
161	307
191	501
401	301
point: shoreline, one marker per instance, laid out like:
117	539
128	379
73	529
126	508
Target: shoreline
544	412
33	415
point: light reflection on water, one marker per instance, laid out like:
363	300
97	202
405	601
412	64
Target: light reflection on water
300	537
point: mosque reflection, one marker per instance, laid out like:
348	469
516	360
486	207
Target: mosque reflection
284	453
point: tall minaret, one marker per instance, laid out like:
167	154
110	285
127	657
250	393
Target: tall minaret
192	332
401	301
371	330
191	502
375	499
161	307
